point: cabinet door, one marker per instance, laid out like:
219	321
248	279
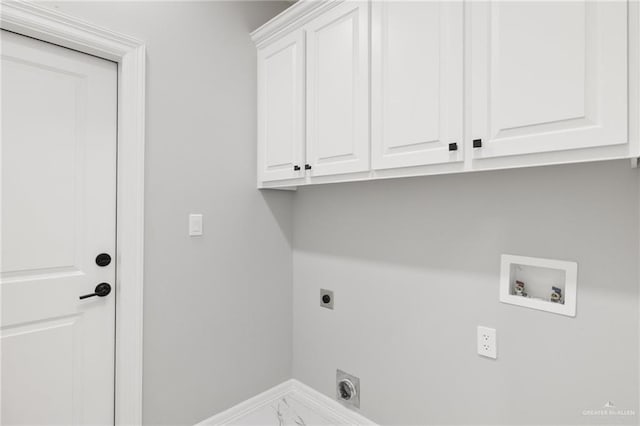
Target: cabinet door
548	76
281	109
337	90
417	83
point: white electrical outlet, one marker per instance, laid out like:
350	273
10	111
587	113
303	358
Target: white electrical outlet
487	343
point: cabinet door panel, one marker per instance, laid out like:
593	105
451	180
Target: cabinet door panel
417	83
281	109
337	83
548	76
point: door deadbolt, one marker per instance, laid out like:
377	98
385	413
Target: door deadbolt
103	259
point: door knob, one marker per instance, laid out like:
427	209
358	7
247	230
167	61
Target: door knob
296	168
307	166
101	290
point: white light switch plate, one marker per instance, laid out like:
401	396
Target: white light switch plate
487	343
195	224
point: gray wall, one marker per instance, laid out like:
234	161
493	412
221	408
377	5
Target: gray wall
217	313
414	262
414	265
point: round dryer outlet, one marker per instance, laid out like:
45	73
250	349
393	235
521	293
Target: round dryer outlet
347	389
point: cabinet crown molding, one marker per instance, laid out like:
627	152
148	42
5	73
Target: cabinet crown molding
291	18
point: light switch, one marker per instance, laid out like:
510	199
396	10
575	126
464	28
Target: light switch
195	224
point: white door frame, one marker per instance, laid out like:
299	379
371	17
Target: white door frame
48	25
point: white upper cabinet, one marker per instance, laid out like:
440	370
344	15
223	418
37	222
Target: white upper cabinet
416	83
356	89
338	90
548	76
281	109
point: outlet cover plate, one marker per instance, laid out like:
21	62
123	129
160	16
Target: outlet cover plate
487	342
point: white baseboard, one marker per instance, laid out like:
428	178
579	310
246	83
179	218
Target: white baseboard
315	406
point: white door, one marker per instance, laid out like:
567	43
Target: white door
416	83
58	214
548	76
281	109
338	90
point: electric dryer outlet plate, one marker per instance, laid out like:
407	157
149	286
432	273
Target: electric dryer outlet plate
326	298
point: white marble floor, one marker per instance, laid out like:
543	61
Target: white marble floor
291	403
286	411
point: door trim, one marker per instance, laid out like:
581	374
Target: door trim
51	26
